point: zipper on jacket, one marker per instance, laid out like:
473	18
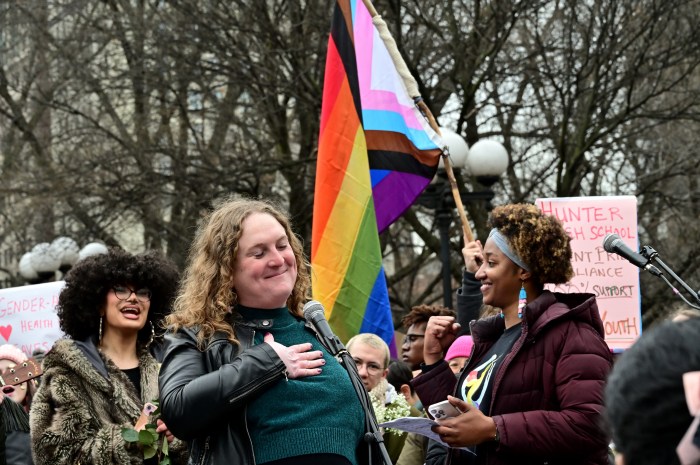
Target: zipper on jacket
264	382
247	432
245	409
204	453
506	363
502	369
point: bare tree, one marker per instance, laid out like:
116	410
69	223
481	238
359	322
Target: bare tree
122	120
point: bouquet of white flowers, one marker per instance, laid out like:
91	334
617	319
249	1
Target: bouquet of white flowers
389	405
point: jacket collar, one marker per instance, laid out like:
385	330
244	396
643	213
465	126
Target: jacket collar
235	319
89	350
553	306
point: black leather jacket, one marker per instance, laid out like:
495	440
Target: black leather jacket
204	394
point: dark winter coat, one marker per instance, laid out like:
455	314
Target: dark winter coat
82	404
547	397
15	447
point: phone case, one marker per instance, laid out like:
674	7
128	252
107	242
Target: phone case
443	410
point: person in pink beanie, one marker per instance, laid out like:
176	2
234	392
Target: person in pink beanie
458	353
15	402
11	355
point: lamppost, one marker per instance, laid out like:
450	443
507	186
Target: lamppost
486	160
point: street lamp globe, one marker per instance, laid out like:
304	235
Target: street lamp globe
459	150
487	161
26	270
93	248
45	261
67	251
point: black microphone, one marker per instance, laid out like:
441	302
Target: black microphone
613	244
316	315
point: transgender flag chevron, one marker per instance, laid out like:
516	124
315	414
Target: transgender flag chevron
376	155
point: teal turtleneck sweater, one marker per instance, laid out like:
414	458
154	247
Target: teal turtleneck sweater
317	414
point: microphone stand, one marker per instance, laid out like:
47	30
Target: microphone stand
651	254
373	437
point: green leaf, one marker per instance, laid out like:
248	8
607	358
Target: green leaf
148	452
165	461
130	435
164	447
146	437
153	433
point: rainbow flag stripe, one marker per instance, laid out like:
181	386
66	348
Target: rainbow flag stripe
376	155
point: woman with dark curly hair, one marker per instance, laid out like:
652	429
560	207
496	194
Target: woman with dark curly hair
243	377
532	392
97	379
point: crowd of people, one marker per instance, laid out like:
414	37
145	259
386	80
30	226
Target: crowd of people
220	366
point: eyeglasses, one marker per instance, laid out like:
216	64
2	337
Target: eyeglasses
371	367
123	293
411	338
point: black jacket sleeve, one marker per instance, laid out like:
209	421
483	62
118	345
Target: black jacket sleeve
436	453
469	301
435	385
196	397
2	432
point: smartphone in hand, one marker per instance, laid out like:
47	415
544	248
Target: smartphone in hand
442	410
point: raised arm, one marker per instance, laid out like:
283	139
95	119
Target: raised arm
469	297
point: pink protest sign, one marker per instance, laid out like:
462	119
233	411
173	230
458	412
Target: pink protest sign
613	280
28	317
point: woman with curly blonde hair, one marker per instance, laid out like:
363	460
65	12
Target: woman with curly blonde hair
206	296
532	391
243	377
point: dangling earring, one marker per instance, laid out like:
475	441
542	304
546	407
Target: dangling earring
522	300
153	334
500	313
100	332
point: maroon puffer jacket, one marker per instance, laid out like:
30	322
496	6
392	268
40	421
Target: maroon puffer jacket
547	397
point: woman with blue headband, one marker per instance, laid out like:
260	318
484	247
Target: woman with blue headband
532	391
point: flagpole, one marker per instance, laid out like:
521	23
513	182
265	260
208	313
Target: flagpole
468	234
412	88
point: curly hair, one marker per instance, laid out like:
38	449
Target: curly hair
89	281
539	240
422	313
206	298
